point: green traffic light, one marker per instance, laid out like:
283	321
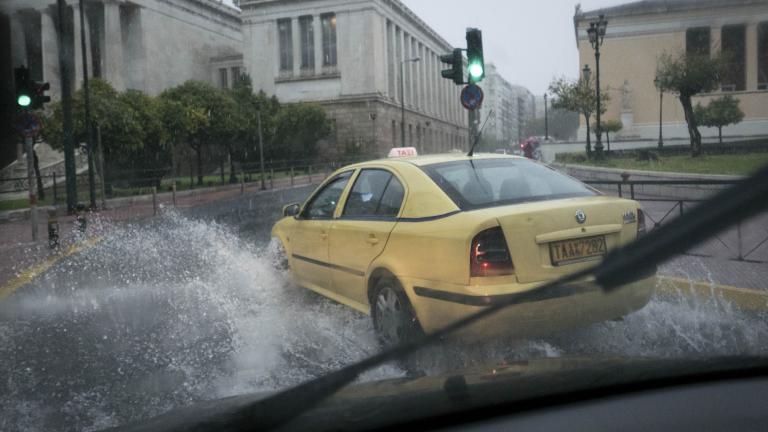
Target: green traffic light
476	70
24	100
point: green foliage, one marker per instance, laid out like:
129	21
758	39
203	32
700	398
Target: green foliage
689	75
577	96
612	126
299	128
720	112
143	136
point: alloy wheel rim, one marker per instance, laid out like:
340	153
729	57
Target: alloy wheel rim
389	308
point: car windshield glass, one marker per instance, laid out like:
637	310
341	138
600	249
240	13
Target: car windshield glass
495	182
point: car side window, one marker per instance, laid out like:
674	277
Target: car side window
392	199
324	203
375	194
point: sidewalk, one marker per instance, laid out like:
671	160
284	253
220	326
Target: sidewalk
19	252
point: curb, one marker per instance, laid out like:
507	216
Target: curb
744	298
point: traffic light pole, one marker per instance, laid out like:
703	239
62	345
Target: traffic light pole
87	99
28	145
66	105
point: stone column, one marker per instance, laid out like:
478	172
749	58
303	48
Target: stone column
751	53
50	49
296	43
318	34
112	57
78	56
18	42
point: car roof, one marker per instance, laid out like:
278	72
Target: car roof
434	159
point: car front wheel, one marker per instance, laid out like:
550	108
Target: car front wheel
393	316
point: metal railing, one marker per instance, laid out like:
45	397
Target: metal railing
738	251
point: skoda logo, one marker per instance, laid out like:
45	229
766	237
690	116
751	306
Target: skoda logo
580	216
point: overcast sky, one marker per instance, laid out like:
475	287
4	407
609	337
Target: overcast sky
530	41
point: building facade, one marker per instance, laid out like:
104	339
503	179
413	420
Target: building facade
638	33
356	58
146	45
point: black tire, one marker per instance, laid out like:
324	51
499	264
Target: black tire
393	317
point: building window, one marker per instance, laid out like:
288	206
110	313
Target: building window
235	74
734	55
307	35
762	56
697	41
394	133
285	38
328	24
223	82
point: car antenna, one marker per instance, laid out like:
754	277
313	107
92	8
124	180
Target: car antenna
479	134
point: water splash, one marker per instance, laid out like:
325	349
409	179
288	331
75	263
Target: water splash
171	311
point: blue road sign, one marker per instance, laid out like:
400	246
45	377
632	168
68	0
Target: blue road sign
28	124
472	97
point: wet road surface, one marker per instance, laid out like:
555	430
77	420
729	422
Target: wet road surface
189	306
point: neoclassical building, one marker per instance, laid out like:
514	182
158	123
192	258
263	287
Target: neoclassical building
639	32
347	55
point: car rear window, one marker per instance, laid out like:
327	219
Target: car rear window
481	183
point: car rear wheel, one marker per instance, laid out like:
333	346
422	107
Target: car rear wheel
393	316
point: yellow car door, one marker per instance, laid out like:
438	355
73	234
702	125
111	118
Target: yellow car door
361	231
309	253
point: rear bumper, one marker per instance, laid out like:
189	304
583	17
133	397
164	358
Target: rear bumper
572	305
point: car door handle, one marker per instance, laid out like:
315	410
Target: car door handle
323	235
372	239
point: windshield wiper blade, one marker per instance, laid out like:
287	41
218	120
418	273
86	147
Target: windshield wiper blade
745	199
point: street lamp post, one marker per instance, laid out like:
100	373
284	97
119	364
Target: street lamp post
661	112
546	119
596	33
587	74
402	98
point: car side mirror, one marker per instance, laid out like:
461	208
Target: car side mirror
291	210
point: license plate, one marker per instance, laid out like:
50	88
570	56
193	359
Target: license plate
583	249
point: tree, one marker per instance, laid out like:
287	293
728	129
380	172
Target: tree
209	116
719	113
578	96
249	107
688	75
120	123
610	126
299	128
152	158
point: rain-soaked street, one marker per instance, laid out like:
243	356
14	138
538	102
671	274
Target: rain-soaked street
188	306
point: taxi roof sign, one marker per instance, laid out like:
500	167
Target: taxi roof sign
402	152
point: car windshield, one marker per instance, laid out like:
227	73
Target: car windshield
205	204
496	182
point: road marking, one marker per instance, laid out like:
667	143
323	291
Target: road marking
31	273
745	298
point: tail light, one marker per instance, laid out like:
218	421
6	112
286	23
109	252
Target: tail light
489	255
640	222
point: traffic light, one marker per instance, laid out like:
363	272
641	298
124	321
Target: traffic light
475	63
456	61
40	98
24	91
30	95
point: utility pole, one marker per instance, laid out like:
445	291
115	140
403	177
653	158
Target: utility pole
261	153
546	119
66	105
29	144
87	99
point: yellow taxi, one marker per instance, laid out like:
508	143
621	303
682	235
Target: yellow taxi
418	242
